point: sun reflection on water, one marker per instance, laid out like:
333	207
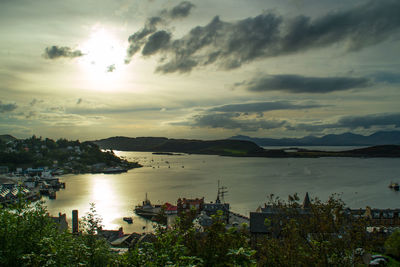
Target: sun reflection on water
106	199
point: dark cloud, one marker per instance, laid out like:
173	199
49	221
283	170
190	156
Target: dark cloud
138	39
262	107
368	121
54	52
141	38
233	121
231	44
384	120
302	84
155	42
181	10
386	77
181	65
246	117
7	107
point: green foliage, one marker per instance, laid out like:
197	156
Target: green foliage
328	236
167	250
392	244
29	237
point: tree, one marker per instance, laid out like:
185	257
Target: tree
29	237
392	244
95	249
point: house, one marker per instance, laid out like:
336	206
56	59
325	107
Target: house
170	209
383	217
111	235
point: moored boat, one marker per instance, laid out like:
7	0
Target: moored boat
147	210
128	219
394	186
114	170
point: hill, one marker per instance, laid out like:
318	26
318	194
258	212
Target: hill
162	144
237	148
345	139
7	138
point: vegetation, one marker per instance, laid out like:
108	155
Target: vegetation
328	237
392	244
70	156
30	238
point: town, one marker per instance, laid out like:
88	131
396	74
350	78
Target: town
31	169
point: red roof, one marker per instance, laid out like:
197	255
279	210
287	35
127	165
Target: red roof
170	207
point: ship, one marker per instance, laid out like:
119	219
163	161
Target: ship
147	210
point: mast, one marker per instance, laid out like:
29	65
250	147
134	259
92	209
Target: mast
221	193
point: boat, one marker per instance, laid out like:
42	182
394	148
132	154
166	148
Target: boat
114	170
147	210
128	219
394	186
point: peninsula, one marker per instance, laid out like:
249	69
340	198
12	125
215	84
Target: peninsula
62	156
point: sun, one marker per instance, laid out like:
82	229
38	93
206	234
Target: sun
104	55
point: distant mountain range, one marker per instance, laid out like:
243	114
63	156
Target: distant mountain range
345	139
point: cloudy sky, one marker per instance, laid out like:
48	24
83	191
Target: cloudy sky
200	69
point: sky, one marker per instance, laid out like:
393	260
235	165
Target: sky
198	69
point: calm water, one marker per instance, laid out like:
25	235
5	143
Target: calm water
249	180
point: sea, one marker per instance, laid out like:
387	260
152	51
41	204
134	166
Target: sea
359	182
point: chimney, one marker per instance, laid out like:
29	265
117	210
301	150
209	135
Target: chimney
75	222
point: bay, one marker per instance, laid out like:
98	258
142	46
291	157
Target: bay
360	182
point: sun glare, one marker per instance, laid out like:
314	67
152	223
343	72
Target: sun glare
103	60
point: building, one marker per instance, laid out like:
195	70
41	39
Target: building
186	204
170	209
268	220
382	217
61	222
